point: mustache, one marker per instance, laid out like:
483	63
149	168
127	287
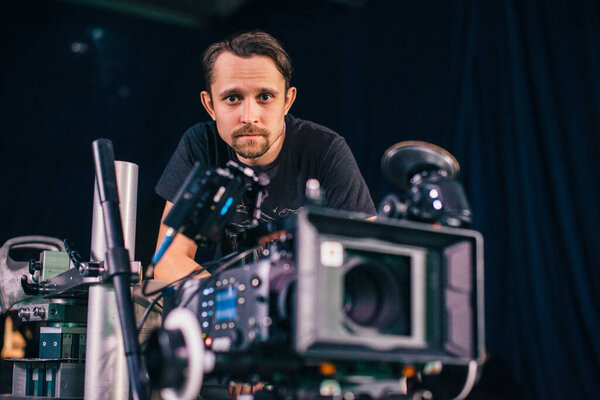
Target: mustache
249	130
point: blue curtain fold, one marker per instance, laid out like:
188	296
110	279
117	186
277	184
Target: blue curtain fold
526	129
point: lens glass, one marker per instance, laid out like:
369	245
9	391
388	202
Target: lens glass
377	291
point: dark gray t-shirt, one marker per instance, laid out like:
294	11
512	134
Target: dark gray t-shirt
309	151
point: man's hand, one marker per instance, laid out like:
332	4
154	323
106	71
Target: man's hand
236	389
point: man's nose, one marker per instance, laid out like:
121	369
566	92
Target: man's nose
250	112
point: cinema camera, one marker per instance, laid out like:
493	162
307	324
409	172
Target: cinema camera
337	305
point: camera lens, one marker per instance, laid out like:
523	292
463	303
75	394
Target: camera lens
376	294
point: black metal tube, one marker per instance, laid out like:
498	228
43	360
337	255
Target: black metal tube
106	179
117	264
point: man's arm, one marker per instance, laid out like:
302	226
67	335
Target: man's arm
178	260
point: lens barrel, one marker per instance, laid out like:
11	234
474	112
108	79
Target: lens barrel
375	294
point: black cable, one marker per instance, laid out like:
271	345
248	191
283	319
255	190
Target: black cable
178	291
147	312
223	267
172	284
148	275
74	255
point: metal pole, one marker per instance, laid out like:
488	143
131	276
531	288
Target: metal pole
105	364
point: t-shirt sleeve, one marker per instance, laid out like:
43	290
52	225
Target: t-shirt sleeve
191	149
343	185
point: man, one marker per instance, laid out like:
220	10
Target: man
248	97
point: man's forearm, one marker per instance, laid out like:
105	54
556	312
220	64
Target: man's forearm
178	260
174	266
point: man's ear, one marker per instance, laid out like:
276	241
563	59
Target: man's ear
208	104
290	96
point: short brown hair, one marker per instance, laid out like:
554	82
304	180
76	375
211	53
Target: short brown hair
245	45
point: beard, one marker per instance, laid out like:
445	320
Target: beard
253	147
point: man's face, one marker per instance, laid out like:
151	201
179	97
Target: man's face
248	101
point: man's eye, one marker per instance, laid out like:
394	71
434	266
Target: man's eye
265	97
231	99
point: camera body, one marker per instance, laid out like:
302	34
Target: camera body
347	290
246	307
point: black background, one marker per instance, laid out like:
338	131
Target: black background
511	88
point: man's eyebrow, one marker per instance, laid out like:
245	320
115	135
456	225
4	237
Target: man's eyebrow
233	90
273	91
228	92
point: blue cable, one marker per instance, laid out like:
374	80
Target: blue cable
163	248
226	206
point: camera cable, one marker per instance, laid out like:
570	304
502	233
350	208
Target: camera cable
153	304
224	266
469	381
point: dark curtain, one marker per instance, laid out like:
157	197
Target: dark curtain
525	123
511	88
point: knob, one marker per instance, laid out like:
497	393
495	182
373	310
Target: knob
23	313
38	312
255	281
